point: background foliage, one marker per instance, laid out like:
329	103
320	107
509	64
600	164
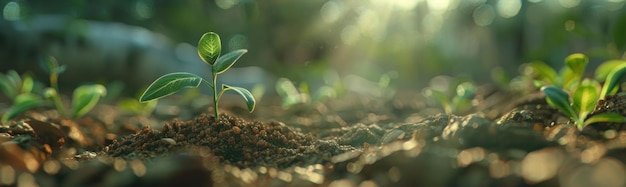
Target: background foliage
310	40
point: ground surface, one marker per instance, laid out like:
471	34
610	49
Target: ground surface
349	141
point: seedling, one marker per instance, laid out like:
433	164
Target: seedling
209	50
291	95
84	98
459	102
19	90
22	103
567	78
12	84
586	94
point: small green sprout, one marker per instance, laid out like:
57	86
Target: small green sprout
84	98
459	102
19	89
289	93
209	50
292	96
22	103
12	84
578	99
568	77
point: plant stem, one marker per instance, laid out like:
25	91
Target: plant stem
215	95
57	96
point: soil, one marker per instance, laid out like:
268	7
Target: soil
349	141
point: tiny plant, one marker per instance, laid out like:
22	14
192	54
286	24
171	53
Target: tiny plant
459	102
209	50
19	90
291	95
84	98
578	99
12	84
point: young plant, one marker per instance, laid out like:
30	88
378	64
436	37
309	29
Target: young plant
12	84
22	103
567	78
586	94
84	98
459	102
291	95
209	50
19	90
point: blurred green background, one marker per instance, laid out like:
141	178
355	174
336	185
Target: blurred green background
355	42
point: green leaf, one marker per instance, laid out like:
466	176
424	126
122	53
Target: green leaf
605	68
245	94
258	90
23	102
169	84
7	87
586	97
226	61
604	117
559	99
324	92
15	79
466	90
49	65
460	104
85	98
569	79
209	47
577	62
288	92
544	72
612	79
49	93
500	77
27	84
441	98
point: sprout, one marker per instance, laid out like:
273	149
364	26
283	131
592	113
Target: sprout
586	94
84	98
209	50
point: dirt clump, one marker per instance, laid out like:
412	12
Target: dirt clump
233	140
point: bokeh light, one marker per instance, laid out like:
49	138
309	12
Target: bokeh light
484	15
11	11
226	4
508	8
569	3
144	9
331	11
238	41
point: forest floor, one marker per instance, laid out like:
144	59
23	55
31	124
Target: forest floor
348	141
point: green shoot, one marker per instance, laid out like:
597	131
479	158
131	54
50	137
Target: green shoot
22	103
459	102
12	84
84	97
585	95
292	96
19	89
209	50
